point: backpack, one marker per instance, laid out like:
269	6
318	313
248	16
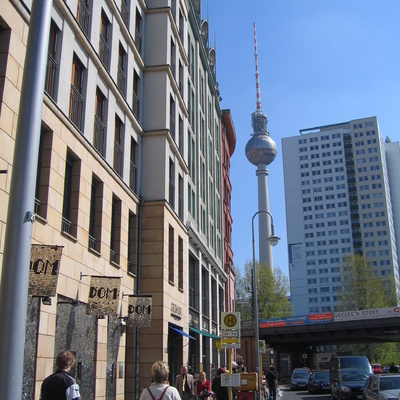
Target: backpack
157	398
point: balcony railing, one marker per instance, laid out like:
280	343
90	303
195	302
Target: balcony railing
136	104
66	225
51	73
84	17
125	9
37	206
132	176
99	141
138	41
104	52
76	106
92	242
121	81
118	158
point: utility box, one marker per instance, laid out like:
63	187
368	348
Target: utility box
246	395
248	382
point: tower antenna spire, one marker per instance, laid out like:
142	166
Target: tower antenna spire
257	73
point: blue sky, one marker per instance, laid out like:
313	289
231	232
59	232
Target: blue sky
320	62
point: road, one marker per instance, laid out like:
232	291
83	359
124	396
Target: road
300	395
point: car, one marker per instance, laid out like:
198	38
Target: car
348	384
382	387
299	379
376	368
319	382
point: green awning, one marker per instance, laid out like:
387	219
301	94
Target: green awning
207	334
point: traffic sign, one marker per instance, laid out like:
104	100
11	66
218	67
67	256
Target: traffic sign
230	320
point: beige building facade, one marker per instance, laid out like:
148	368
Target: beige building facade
129	186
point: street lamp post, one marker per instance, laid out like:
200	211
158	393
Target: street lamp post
273	241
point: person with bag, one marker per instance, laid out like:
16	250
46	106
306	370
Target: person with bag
221	392
203	388
160	389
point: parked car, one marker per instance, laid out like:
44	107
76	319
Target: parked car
348	384
319	382
299	379
376	368
382	387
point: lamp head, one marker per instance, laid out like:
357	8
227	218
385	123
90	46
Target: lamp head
273	240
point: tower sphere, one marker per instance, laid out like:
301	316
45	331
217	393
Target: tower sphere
260	149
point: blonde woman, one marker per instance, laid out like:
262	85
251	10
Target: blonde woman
160	389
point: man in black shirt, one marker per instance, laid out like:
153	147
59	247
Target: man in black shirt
61	385
272	381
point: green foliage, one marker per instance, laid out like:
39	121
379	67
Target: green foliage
363	290
272	292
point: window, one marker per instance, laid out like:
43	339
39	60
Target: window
121	75
43	173
180	143
180	263
118	146
132	243
115	231
172	58
136	94
132	170
99	139
180	83
76	104
205	303
172	117
104	41
171	261
95	216
84	17
171	183
125	11
180	196
52	66
193	283
138	31
71	195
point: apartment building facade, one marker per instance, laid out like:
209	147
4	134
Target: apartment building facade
338	201
129	184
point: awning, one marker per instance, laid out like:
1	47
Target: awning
181	332
204	333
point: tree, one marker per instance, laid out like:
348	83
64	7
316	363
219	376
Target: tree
362	290
272	292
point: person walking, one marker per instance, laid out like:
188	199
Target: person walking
60	385
185	384
272	382
221	392
393	369
160	388
203	388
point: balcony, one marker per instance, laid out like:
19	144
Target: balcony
99	141
84	18
132	177
76	105
136	105
66	225
118	158
138	41
51	73
125	10
104	52
121	81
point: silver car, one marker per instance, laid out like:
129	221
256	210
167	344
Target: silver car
382	387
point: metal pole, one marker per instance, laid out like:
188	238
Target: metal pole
20	216
257	325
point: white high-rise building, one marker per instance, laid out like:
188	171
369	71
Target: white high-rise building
338	201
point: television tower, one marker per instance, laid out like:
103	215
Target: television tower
261	151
